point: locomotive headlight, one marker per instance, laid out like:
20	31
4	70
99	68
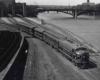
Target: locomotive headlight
83	56
77	53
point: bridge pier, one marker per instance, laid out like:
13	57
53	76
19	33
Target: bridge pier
13	9
2	13
94	14
24	9
74	14
2	9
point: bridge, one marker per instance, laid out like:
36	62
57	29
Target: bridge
84	8
73	12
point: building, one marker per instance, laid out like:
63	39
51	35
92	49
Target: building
20	8
7	7
88	3
10	7
7	2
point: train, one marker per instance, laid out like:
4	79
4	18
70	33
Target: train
76	53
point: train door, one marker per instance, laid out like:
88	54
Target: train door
85	57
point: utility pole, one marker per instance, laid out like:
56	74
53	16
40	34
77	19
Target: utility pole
88	1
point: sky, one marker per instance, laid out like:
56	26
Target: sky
56	2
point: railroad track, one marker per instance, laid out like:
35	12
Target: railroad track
11	43
12	20
8	46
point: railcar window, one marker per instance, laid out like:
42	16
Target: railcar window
60	47
73	50
70	41
66	51
78	56
85	49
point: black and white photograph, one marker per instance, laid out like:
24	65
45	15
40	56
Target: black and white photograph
49	39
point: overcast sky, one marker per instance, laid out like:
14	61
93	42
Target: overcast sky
56	2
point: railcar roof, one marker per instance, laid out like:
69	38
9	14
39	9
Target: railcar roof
26	24
55	34
73	45
39	29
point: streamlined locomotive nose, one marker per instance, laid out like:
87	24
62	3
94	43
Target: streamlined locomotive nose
86	57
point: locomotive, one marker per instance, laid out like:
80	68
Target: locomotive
76	53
